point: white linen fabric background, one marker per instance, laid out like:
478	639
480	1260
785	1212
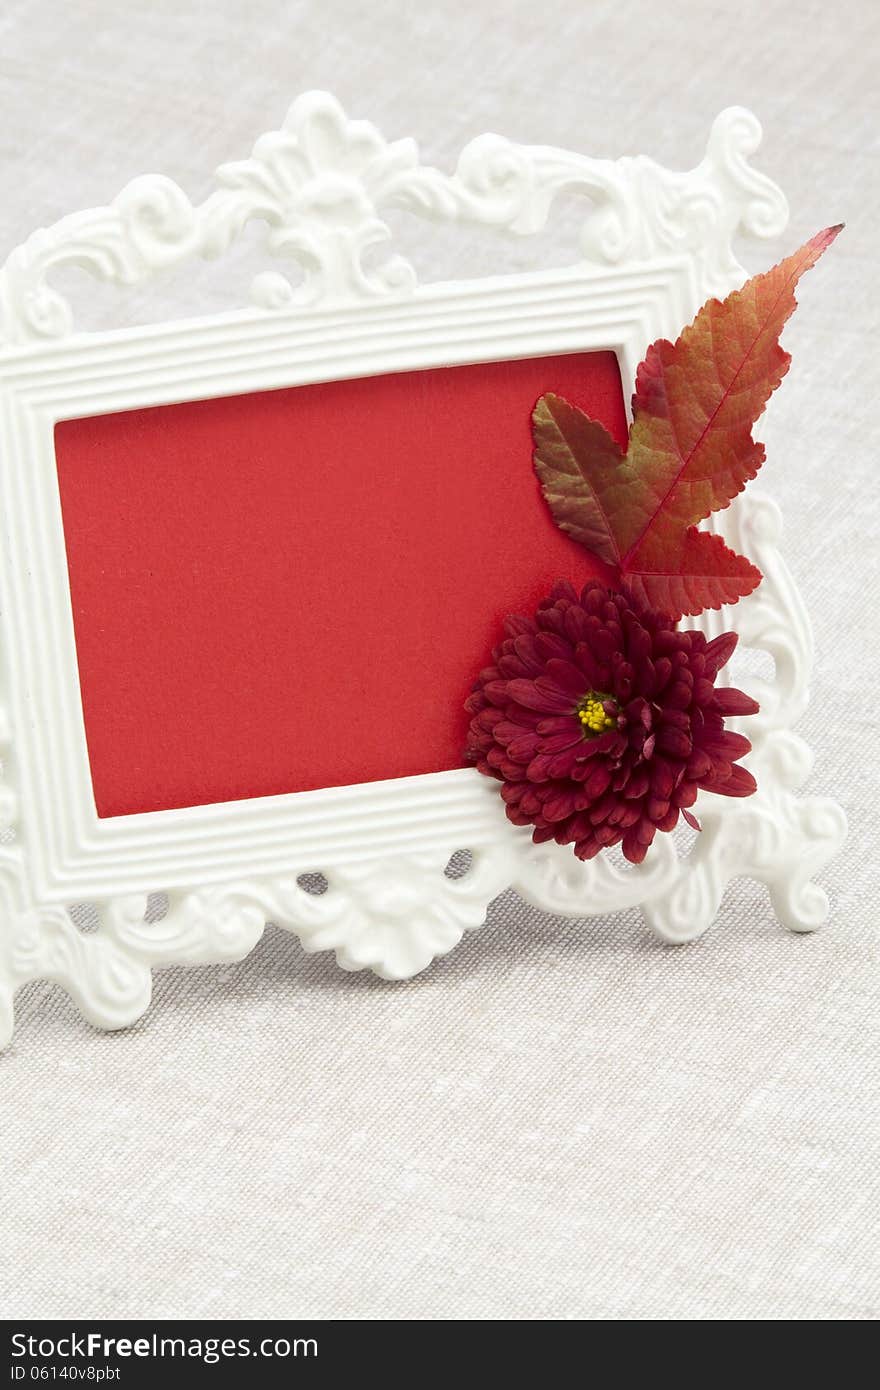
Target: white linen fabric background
560	1120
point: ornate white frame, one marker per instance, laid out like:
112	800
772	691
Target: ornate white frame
655	245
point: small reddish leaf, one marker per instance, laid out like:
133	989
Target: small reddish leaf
699	572
690	447
576	460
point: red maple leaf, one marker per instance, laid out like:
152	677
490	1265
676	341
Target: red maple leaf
690	448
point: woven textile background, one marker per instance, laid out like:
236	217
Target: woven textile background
559	1120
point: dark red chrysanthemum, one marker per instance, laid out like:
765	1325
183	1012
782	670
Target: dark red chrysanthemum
603	722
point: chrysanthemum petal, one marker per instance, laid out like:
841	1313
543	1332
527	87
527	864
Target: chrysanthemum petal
719	651
729	701
536	695
739	783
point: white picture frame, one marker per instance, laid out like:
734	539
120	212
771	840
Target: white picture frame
655	244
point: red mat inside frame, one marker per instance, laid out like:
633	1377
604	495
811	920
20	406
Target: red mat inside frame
294	589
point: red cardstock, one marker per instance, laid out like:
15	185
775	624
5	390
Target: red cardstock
295	589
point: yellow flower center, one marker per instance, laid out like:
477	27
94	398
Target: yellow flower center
593	716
